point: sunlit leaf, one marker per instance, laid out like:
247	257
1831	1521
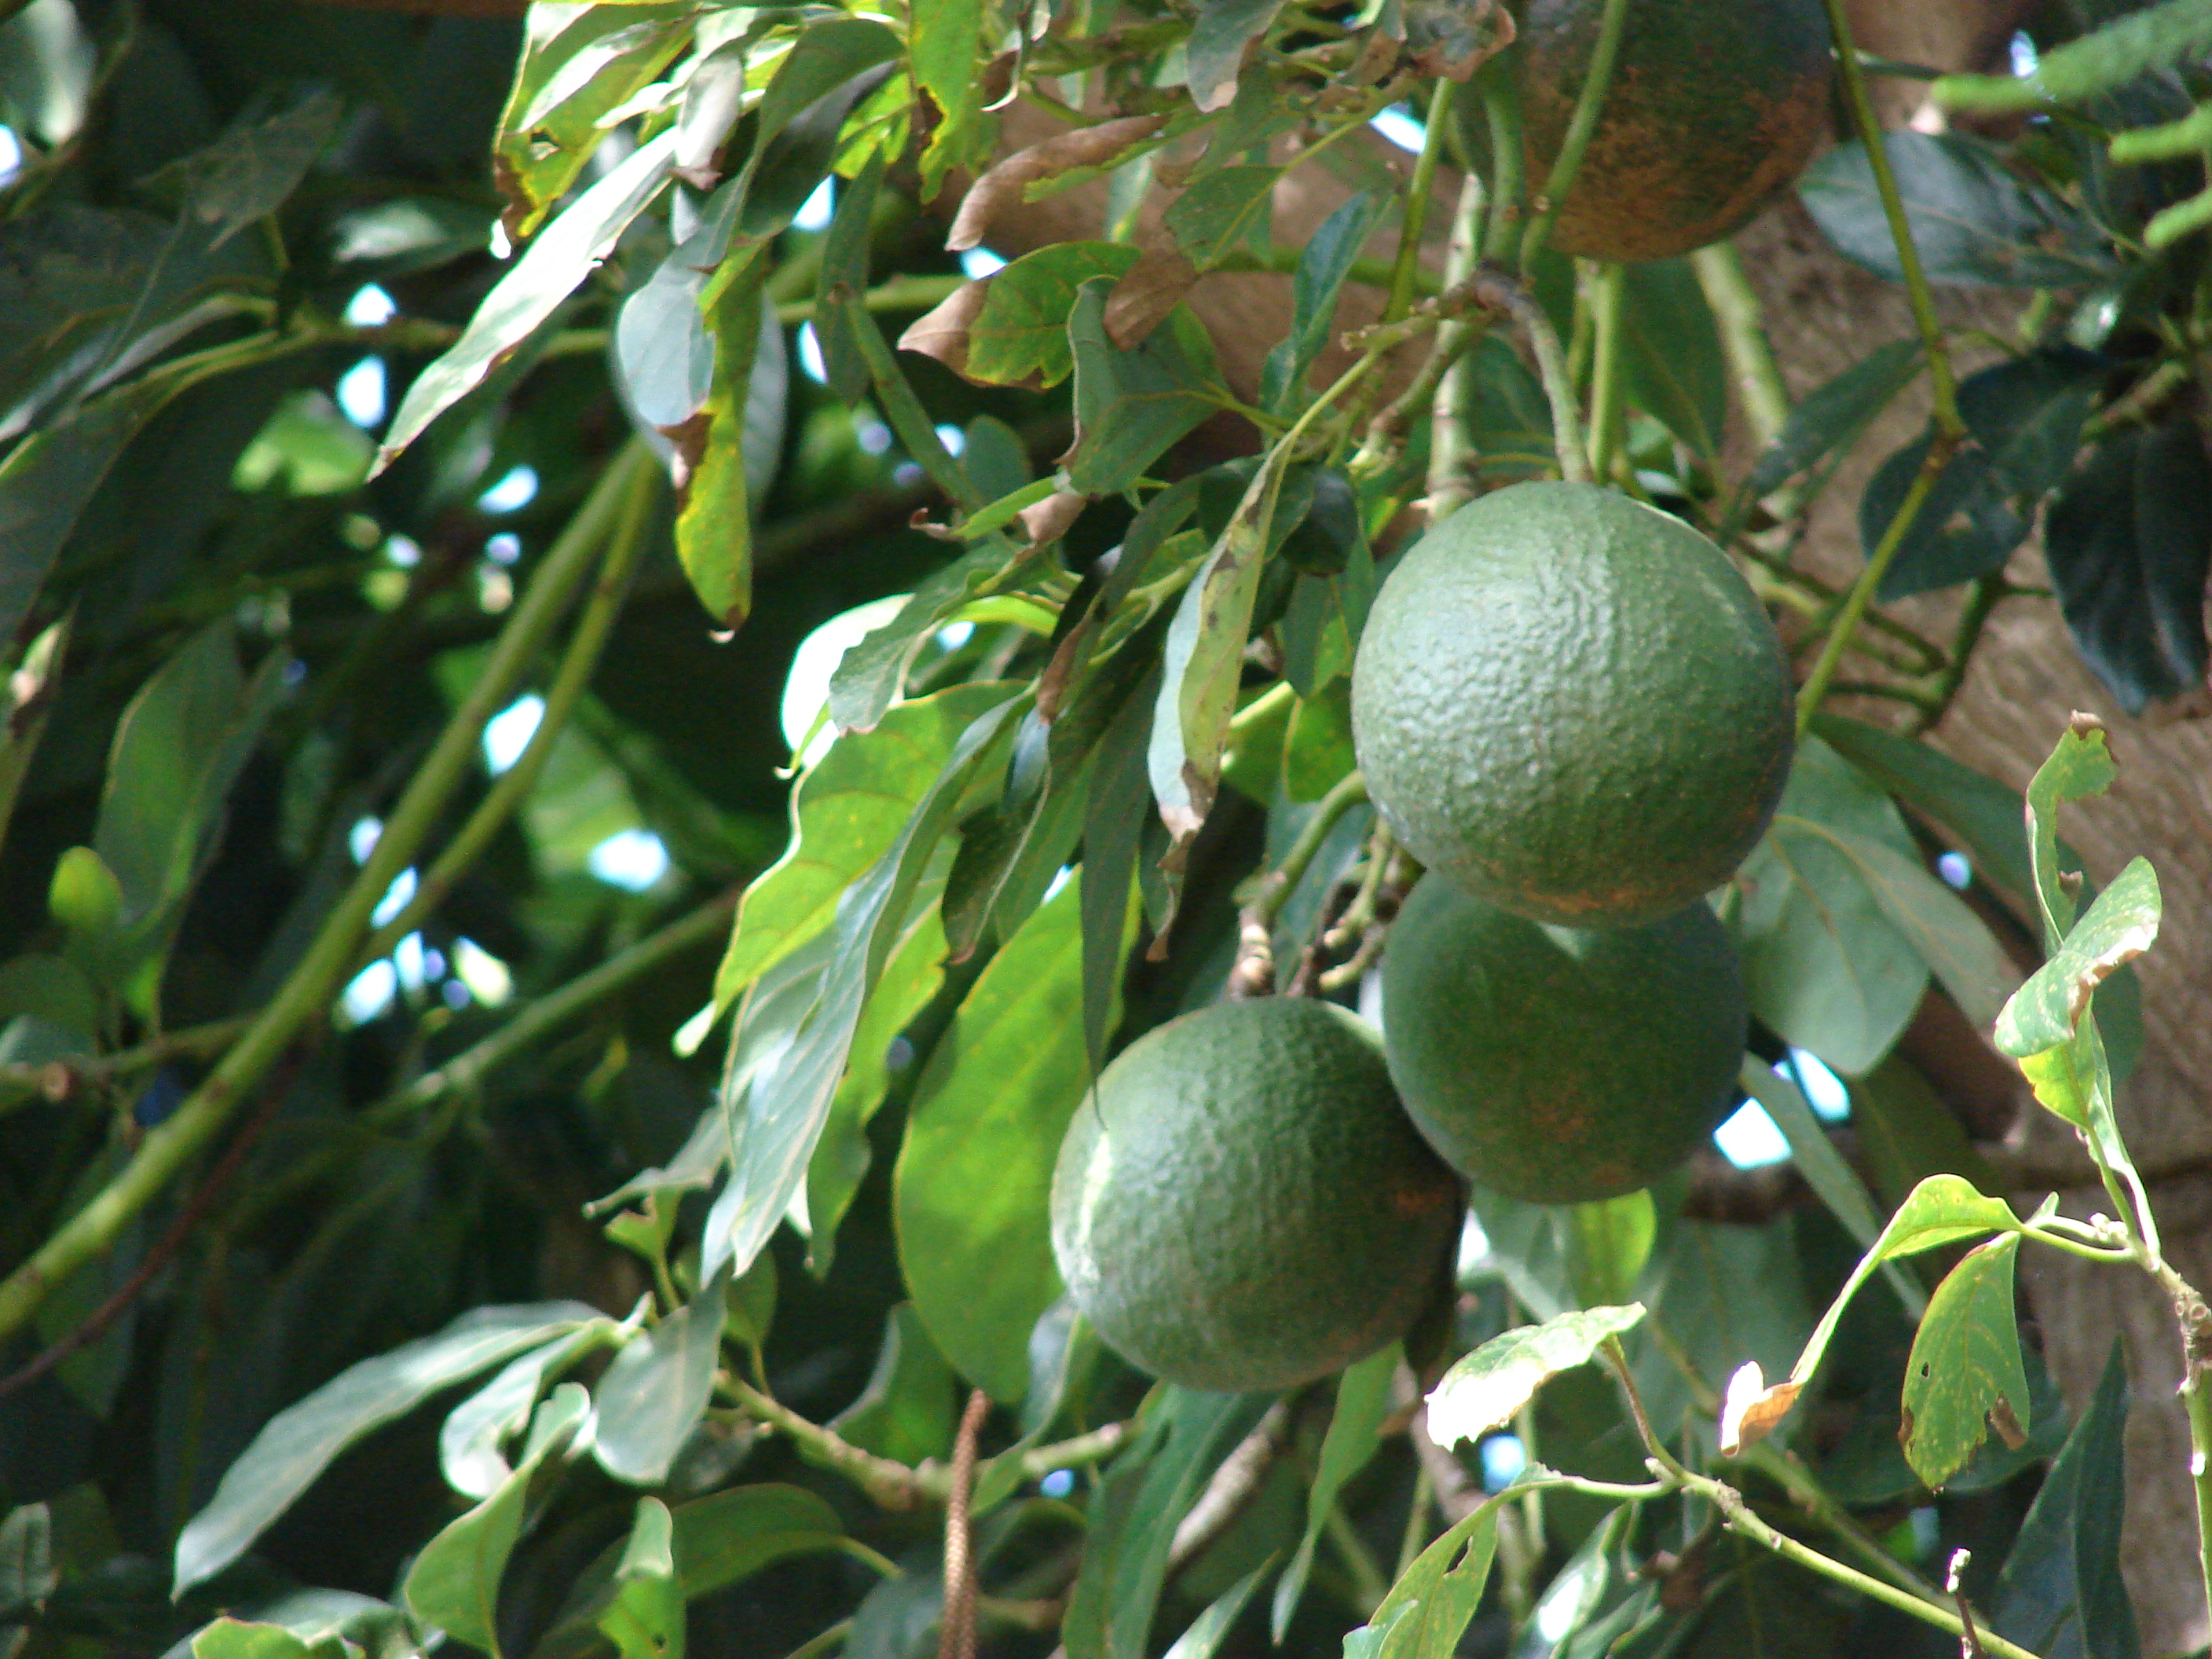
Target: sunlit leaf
1965	1373
1484	1389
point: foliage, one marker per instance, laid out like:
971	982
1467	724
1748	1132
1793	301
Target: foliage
411	1234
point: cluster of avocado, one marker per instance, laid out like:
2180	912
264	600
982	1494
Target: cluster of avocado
1572	710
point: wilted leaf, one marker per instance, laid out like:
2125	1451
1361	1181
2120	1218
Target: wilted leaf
946	330
1009	180
1965	1365
1141	300
1483	1390
2119	926
946	37
1455	38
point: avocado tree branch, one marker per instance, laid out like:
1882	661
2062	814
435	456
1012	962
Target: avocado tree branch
306	995
1253	975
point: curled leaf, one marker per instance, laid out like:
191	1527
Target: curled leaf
1050	518
1483	1390
1751	1409
1008	182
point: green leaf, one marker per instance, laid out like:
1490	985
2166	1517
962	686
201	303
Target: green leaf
1730	1293
548	270
871	676
1320	278
1609	1241
1485	1389
2078	768
27	1556
574	68
29	699
1131	405
239	1638
1825	965
659	1385
1156	1478
469	1444
720	1539
1220	210
1210	1628
2155	37
1355	1432
1112	829
1971	221
727	449
453	1584
946	37
1020	336
1429	1608
1964	1366
845	262
299	1443
909	982
181	744
777	1116
248	173
1202	664
974	1173
2061	1590
645	1618
846	812
1832	416
905	1412
2120	925
1944	1209
1218	38
1672	354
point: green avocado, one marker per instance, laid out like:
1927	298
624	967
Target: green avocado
1559	1065
1573	706
1241	1203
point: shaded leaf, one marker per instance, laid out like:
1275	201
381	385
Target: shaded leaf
299	1443
905	1412
1355	1432
720	1539
1131	405
845	261
658	1388
2155	37
1429	1608
1831	417
2061	1594
1219	38
1971	221
1315	286
1672	353
1484	1389
1210	1628
974	1172
1019	335
248	173
469	1444
1964	1370
1823	964
1609	1241
1220	211
645	1618
454	1583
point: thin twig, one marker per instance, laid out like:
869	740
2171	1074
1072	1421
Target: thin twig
1234	1484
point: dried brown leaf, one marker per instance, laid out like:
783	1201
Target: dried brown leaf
1140	302
1049	518
942	333
1751	1409
1008	182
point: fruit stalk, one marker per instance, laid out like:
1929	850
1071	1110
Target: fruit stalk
1589	105
1608	406
1948	423
306	994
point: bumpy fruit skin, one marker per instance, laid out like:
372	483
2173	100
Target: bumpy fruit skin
1713	106
1558	1065
1573	706
1241	1203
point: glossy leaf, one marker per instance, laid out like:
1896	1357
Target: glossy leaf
1832	416
1964	1370
1315	286
1019	336
1825	965
1971	221
453	1584
1484	1389
974	1172
469	1444
299	1443
1355	1432
658	1388
645	1618
545	274
2061	1594
1131	405
1154	1481
778	1116
847	811
2119	925
1671	354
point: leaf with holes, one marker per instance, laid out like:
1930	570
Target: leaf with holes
1965	1377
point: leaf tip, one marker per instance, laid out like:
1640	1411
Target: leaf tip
1751	1409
